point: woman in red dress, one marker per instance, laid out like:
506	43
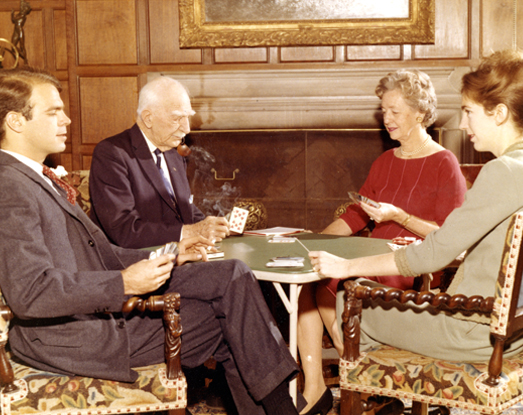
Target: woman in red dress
416	185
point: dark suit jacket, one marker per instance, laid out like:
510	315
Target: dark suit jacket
129	200
61	277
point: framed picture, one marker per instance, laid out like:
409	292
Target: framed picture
245	23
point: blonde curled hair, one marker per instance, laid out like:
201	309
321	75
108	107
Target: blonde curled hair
417	91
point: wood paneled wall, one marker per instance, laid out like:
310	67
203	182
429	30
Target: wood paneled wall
102	51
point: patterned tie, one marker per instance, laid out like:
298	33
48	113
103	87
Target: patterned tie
165	181
70	190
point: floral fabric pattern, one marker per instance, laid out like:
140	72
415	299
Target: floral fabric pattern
388	371
79	179
54	394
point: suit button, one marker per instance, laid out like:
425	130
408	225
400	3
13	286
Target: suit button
121	324
91	243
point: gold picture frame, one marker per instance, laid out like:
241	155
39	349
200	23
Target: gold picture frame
198	32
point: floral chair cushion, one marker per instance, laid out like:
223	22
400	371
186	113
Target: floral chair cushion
437	382
79	179
49	393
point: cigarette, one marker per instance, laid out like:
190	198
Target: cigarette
301	243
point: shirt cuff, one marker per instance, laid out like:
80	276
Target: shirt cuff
400	258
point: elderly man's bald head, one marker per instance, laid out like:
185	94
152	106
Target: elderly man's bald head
164	108
154	92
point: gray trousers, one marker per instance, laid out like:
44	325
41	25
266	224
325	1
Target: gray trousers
223	314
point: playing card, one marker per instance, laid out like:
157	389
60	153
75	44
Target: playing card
238	219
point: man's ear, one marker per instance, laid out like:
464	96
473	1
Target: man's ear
146	117
501	114
15	121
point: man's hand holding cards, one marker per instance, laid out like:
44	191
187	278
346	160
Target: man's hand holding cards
169	248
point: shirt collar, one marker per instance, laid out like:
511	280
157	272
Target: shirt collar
150	145
518	145
37	167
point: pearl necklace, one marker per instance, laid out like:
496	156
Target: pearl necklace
414	152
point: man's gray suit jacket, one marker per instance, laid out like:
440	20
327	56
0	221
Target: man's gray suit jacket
59	268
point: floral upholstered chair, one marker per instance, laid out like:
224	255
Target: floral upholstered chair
485	387
26	390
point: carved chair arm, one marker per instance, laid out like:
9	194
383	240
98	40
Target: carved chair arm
455	303
356	293
170	304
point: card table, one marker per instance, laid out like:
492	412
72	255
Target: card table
257	251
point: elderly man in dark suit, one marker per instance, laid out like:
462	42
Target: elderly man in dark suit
66	283
138	184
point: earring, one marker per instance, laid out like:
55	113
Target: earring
419	119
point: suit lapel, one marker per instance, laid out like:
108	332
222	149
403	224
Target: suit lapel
60	198
146	162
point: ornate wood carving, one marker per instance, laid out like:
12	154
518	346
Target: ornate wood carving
173	332
196	32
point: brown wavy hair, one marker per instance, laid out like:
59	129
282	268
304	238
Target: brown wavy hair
16	88
498	80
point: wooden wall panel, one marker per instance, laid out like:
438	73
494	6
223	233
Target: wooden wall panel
106	32
108	106
241	55
451	32
60	39
307	54
373	53
164	33
498	25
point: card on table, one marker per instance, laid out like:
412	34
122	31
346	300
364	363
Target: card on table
238	219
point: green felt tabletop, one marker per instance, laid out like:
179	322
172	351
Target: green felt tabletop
256	251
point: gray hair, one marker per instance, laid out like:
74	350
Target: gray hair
417	90
153	91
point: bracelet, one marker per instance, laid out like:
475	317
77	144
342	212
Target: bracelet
406	221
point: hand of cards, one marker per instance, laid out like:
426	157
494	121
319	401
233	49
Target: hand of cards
169	248
357	198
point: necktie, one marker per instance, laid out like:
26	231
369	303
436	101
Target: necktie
70	190
164	179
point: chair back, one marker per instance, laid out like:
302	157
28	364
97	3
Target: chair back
507	315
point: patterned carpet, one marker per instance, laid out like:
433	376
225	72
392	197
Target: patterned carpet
200	408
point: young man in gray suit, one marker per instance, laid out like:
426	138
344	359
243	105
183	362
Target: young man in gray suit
140	194
66	283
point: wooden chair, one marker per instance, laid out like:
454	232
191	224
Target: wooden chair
486	387
158	388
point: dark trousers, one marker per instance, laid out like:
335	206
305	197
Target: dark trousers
223	313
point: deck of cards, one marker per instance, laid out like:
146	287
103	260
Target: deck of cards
286	262
169	248
238	219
